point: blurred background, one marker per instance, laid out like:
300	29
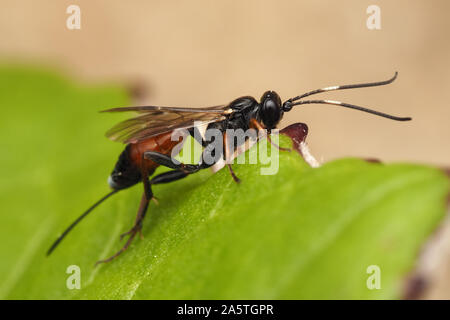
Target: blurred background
202	53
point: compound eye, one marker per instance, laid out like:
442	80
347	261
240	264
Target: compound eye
270	107
271	113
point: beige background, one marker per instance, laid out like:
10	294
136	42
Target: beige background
201	53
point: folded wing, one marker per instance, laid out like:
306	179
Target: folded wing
155	120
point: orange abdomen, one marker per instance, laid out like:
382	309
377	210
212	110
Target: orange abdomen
161	143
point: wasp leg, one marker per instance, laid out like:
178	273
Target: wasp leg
226	153
132	233
257	125
169	176
137	227
169	162
148	193
181	168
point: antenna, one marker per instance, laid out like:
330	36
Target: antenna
288	104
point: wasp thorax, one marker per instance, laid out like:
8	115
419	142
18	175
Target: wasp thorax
271	111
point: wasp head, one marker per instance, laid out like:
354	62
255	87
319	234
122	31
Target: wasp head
271	111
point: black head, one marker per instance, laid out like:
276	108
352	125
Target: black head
270	111
124	174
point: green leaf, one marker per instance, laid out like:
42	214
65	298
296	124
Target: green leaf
302	233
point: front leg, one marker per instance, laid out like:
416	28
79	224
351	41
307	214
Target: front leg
226	152
258	126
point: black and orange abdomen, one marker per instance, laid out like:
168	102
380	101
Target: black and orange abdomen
129	167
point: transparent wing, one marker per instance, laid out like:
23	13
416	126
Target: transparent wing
154	120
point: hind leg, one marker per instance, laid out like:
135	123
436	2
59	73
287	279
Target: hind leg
137	227
208	158
181	171
133	231
146	197
158	179
169	176
169	162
